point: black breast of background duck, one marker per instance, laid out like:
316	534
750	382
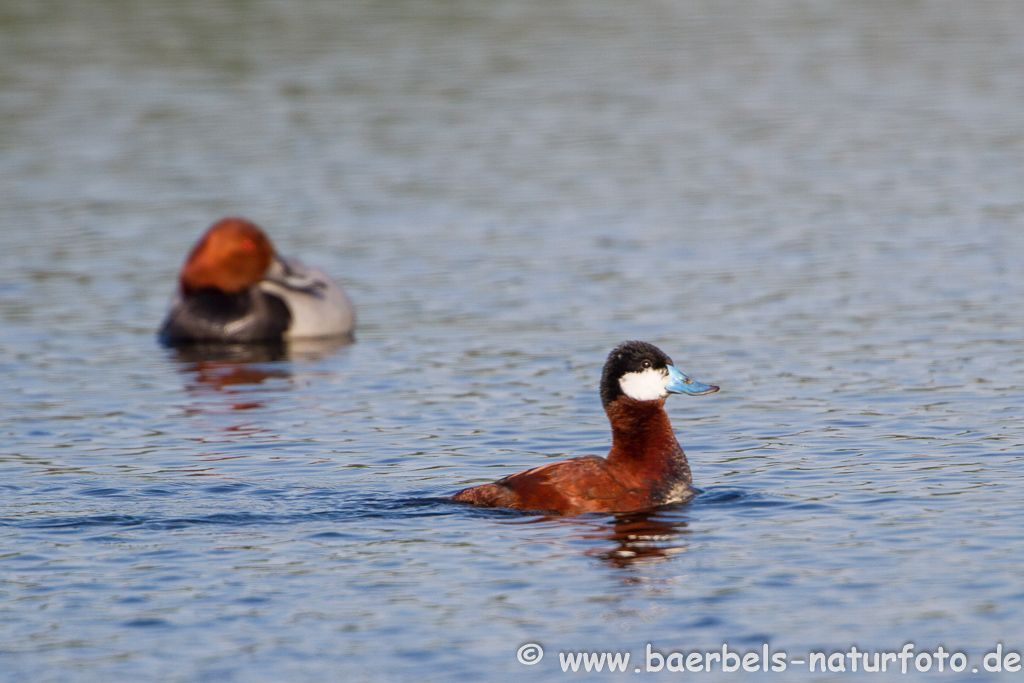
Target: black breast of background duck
210	315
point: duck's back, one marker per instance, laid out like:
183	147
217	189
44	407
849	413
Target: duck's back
319	309
573	486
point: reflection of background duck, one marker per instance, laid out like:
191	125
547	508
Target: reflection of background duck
228	369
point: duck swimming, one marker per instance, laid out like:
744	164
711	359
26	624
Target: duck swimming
645	467
235	288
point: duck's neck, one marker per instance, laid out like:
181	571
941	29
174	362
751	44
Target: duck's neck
223	305
642	437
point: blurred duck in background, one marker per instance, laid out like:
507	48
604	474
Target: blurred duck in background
235	288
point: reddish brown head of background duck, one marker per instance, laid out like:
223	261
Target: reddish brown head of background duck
645	467
232	255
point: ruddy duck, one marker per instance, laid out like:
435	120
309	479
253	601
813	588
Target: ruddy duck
235	288
645	467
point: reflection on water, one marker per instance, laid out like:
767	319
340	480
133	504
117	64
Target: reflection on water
227	376
638	538
224	368
621	540
229	354
299	349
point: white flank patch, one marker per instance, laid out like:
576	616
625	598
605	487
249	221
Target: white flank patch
323	312
645	386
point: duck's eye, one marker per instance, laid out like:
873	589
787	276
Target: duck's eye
646	364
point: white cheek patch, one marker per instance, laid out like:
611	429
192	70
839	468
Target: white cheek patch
645	386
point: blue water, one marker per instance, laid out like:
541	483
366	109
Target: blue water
818	207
